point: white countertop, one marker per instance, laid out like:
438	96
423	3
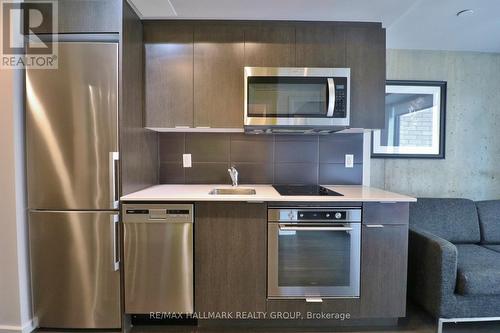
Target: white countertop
351	193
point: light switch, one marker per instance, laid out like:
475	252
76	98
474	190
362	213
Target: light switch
186	160
349	160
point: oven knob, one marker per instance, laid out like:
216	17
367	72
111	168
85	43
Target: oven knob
338	215
327	215
301	215
290	215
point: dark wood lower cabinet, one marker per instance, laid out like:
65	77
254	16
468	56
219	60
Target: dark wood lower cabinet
384	253
230	257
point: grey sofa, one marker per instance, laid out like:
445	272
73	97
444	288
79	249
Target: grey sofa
454	258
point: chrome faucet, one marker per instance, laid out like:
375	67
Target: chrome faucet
234	175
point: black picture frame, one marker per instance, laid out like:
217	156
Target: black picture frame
442	124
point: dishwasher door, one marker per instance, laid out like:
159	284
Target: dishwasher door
158	258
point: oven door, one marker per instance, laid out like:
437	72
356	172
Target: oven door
314	260
296	96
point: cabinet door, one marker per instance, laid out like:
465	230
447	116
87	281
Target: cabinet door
270	45
218	75
230	257
168	75
83	16
365	55
384	252
320	45
386	213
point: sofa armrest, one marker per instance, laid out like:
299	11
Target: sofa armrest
432	270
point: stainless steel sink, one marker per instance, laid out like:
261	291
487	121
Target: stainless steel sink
234	191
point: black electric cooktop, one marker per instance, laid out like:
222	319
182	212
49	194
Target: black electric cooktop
304	190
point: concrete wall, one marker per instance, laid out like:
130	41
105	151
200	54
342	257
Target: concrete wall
472	165
15	306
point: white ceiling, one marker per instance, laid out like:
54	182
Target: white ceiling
411	24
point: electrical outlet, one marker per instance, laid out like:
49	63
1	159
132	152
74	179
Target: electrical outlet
186	160
349	160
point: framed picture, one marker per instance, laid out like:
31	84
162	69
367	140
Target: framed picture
414	121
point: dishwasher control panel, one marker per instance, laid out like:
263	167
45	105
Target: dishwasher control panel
137	213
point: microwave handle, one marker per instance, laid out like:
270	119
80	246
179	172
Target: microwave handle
331	97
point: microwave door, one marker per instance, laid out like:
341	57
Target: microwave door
331	97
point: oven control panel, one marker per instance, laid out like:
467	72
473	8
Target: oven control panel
331	214
314	215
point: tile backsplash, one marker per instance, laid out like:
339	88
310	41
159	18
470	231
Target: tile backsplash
260	159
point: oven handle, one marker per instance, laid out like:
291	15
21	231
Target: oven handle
284	227
331	97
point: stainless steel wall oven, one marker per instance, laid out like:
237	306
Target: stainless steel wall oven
314	253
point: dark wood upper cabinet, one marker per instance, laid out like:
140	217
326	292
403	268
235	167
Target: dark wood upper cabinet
84	16
168	87
320	45
270	45
218	75
384	253
138	146
230	257
365	55
194	69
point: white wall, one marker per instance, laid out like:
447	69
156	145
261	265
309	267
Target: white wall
15	303
472	165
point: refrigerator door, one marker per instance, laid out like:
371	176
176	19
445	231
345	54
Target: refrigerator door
71	126
74	269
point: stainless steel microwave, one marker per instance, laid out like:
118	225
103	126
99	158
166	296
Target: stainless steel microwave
296	99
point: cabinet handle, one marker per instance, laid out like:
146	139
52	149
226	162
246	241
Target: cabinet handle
314	300
178	126
374	225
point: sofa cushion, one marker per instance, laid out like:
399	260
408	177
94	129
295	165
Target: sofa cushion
452	219
492	247
478	270
489	221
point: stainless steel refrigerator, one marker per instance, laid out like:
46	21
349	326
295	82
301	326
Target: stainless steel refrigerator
72	180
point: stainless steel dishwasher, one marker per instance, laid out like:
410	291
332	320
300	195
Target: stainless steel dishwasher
158	258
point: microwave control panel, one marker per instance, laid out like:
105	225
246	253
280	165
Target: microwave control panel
340	97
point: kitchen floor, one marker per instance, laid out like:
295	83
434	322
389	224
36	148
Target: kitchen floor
417	322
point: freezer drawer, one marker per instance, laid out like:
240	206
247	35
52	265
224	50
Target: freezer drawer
72	129
75	277
158	258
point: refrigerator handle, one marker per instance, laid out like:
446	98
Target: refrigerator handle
113	182
114	222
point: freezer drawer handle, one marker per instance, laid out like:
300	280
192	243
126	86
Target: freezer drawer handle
113	183
114	234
